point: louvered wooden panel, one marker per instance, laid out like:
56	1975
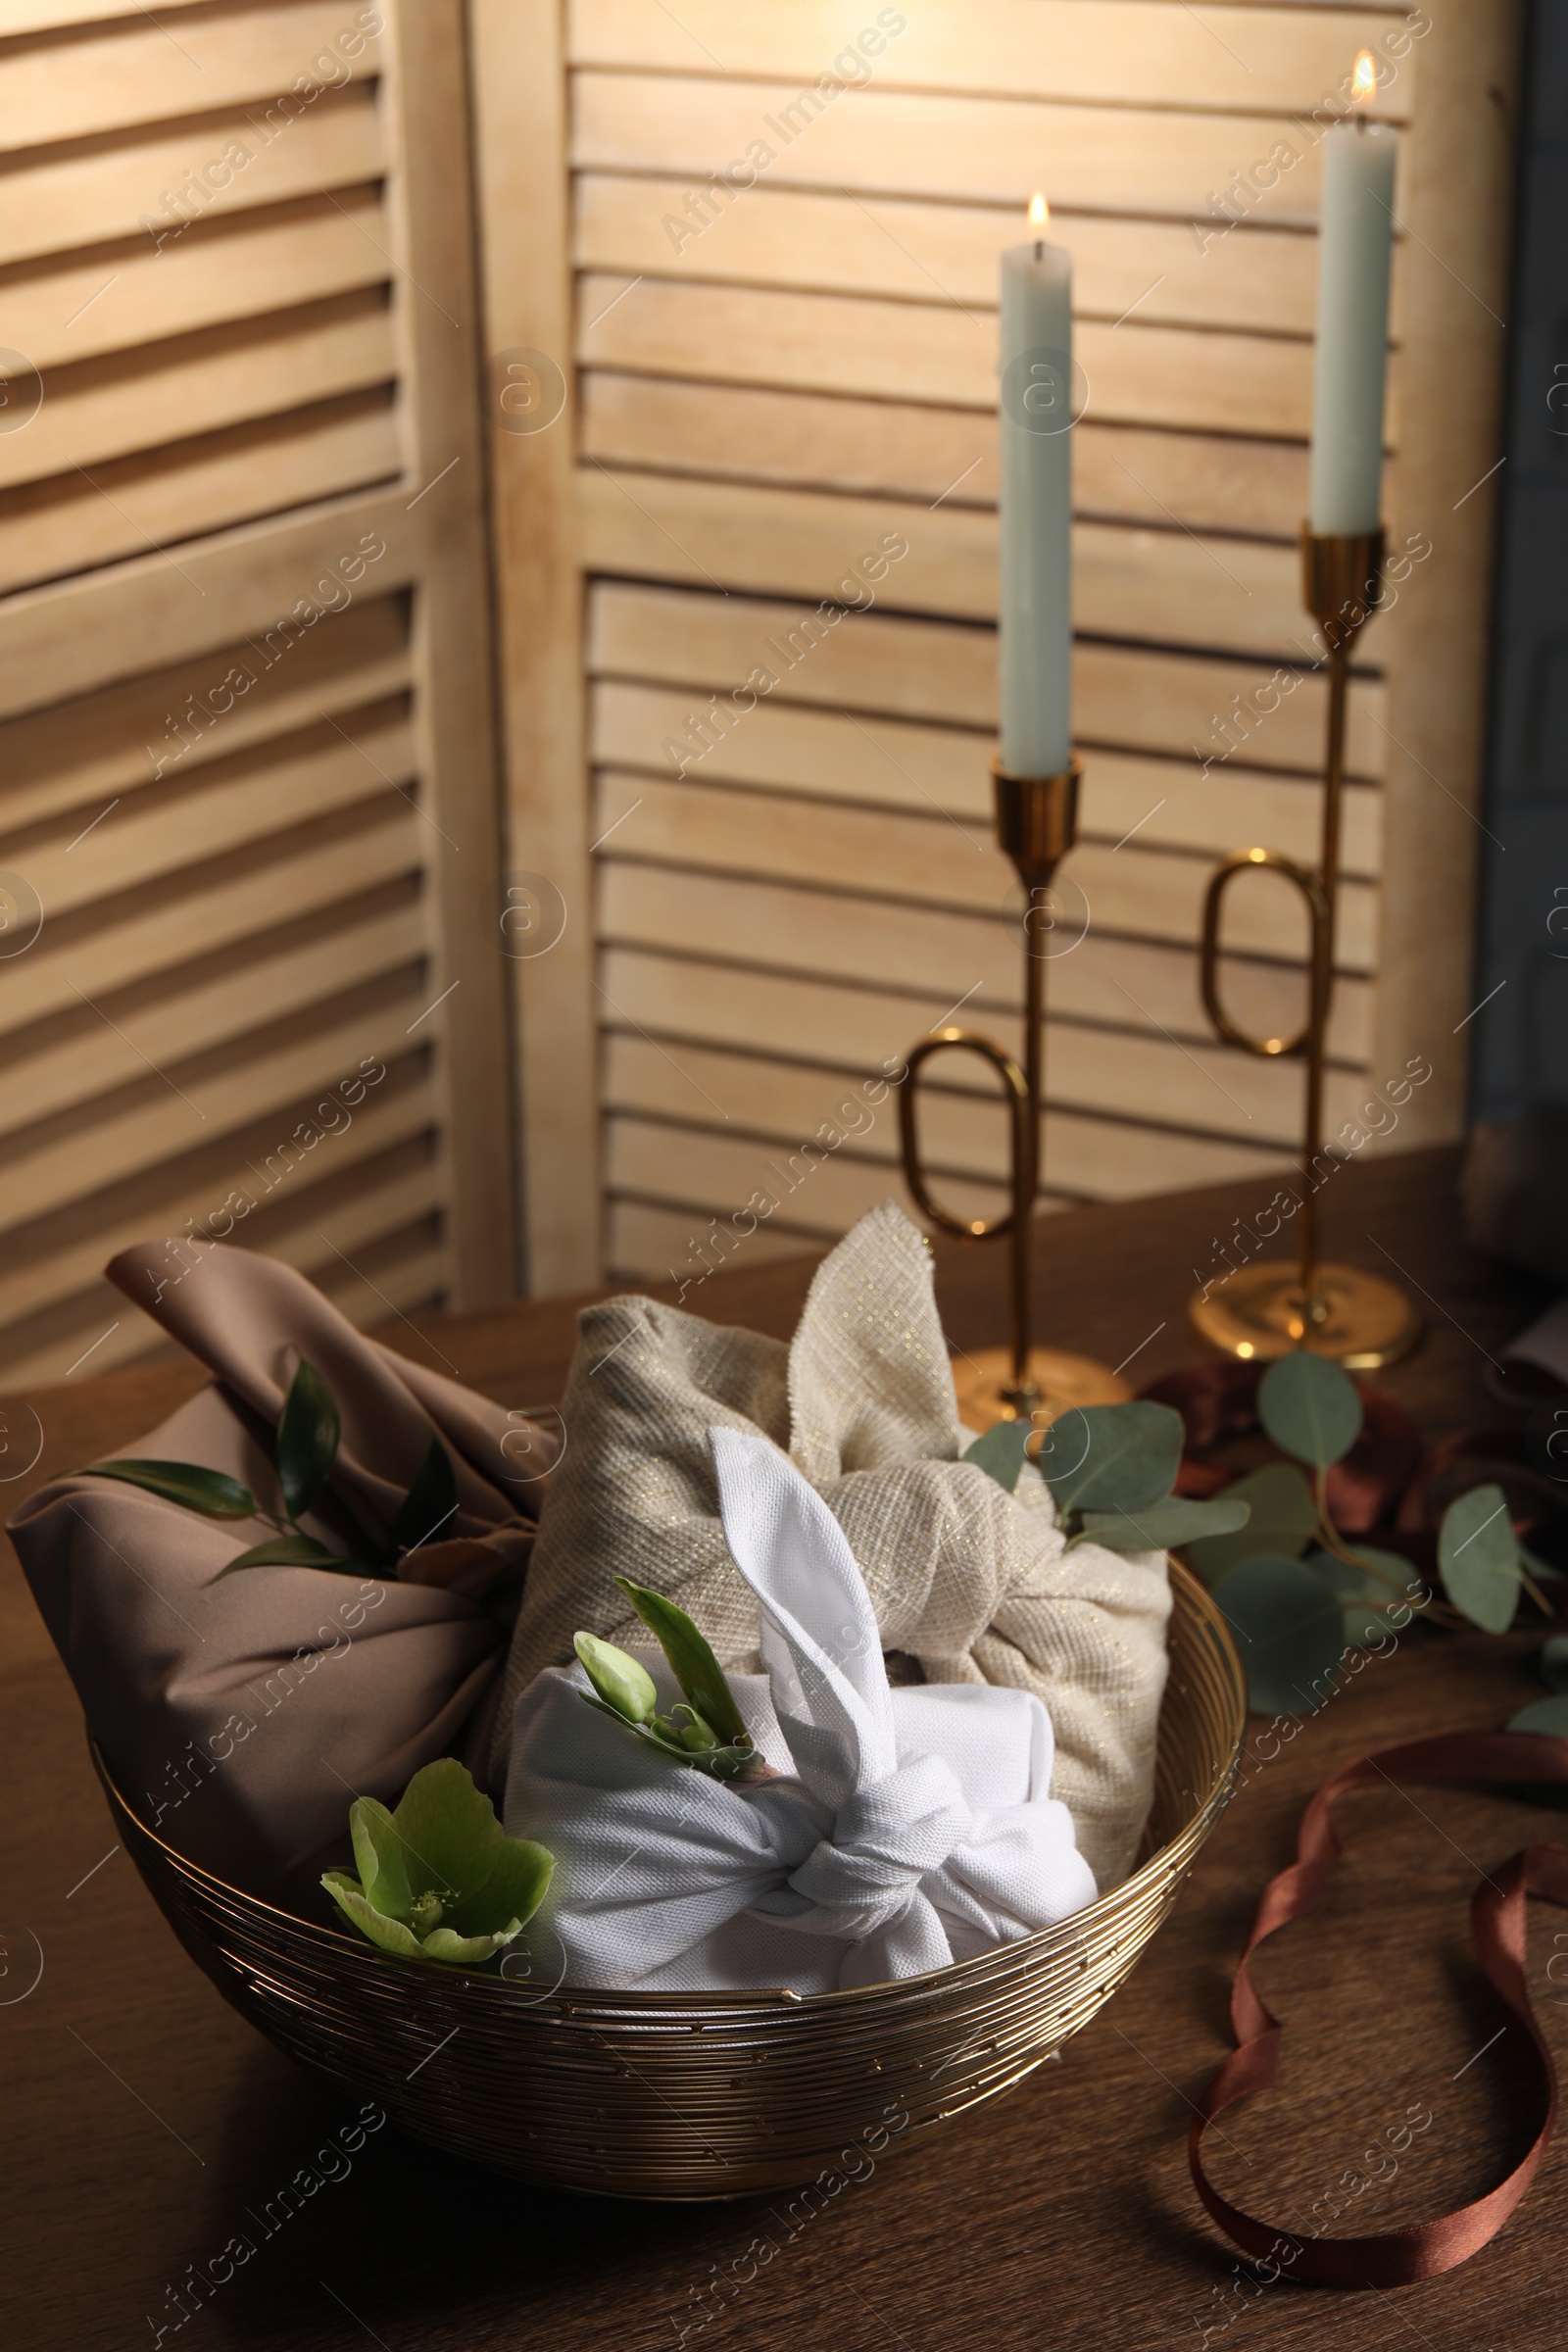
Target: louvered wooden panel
244	764
783	748
774	376
1148	51
811	442
1144	700
941	958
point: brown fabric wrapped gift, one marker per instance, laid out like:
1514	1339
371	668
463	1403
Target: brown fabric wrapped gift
241	1716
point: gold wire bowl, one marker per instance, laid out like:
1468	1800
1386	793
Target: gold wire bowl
700	2095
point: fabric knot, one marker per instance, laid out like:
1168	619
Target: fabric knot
859	1879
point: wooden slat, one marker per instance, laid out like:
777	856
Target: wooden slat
917	669
953	957
68	201
189	487
1262	283
56	762
643	1243
1092	1159
992	150
1145	1080
251	798
859	1028
653	1161
137	73
1163	587
360	1220
194	1188
149	612
182	1020
314	866
127	1142
1243	58
48	16
108	407
901	856
926	351
891	448
234	267
782	747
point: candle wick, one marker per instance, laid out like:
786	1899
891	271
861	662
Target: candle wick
1040	248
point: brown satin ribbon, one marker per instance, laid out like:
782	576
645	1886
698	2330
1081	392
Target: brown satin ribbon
1498	1937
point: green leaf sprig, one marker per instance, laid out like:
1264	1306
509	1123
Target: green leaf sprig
310	1431
712	1737
1298	1594
1111	1468
439	1879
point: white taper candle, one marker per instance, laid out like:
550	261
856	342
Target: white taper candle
1036	506
1355	242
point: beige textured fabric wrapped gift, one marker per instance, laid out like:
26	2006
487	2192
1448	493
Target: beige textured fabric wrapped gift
978	1585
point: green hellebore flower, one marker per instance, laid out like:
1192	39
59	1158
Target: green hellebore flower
439	1879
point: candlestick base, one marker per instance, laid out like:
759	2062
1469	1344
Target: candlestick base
983	1383
1358	1319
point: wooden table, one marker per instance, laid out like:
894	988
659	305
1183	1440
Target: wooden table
141	2118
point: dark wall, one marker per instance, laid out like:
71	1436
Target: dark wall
1521	1037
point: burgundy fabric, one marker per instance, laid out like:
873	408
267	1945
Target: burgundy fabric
1396	2257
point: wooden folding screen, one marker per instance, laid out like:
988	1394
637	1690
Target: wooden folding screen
778	324
251	977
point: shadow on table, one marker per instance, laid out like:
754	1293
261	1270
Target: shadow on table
384	2237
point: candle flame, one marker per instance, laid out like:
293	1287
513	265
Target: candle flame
1364	80
1039	213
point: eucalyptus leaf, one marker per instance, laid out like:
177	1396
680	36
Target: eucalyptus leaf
1478	1558
1282	1522
211	1491
293	1551
1367	1599
1287	1622
307	1434
1000	1452
1163	1525
1310	1408
1549	1715
1552	1663
1112	1458
430	1505
693	1663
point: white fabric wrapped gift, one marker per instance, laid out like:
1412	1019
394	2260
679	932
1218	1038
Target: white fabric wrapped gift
909	1828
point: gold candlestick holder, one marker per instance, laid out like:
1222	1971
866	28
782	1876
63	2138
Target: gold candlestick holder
1265	1311
1037	824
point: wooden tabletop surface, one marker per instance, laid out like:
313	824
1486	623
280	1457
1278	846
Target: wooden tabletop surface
141	2119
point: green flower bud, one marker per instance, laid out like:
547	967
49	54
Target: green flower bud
626	1688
